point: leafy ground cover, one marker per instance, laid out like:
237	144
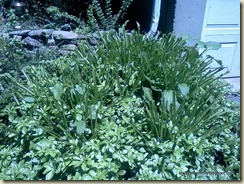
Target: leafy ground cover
134	108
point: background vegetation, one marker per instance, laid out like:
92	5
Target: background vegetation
131	108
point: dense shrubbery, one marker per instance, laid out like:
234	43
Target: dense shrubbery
134	108
82	15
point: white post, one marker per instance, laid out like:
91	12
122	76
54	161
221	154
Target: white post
155	18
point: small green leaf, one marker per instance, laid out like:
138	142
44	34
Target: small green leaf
77	151
217	147
52	154
92	173
83	166
49	175
184	163
78	117
86	177
80	89
29	99
184	89
142	150
178	154
170	166
69	177
175	171
57	90
80	127
121	172
147	93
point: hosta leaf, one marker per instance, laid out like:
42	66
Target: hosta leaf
184	89
212	45
29	99
80	127
57	90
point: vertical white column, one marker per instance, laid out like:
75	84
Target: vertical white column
155	18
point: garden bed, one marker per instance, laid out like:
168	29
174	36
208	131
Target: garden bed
116	106
136	109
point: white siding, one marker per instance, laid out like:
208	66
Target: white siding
222	24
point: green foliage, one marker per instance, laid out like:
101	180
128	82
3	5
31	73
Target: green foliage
8	56
58	19
103	17
133	108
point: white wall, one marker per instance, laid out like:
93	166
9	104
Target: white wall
189	15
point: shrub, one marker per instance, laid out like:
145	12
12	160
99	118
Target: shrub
133	108
102	16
